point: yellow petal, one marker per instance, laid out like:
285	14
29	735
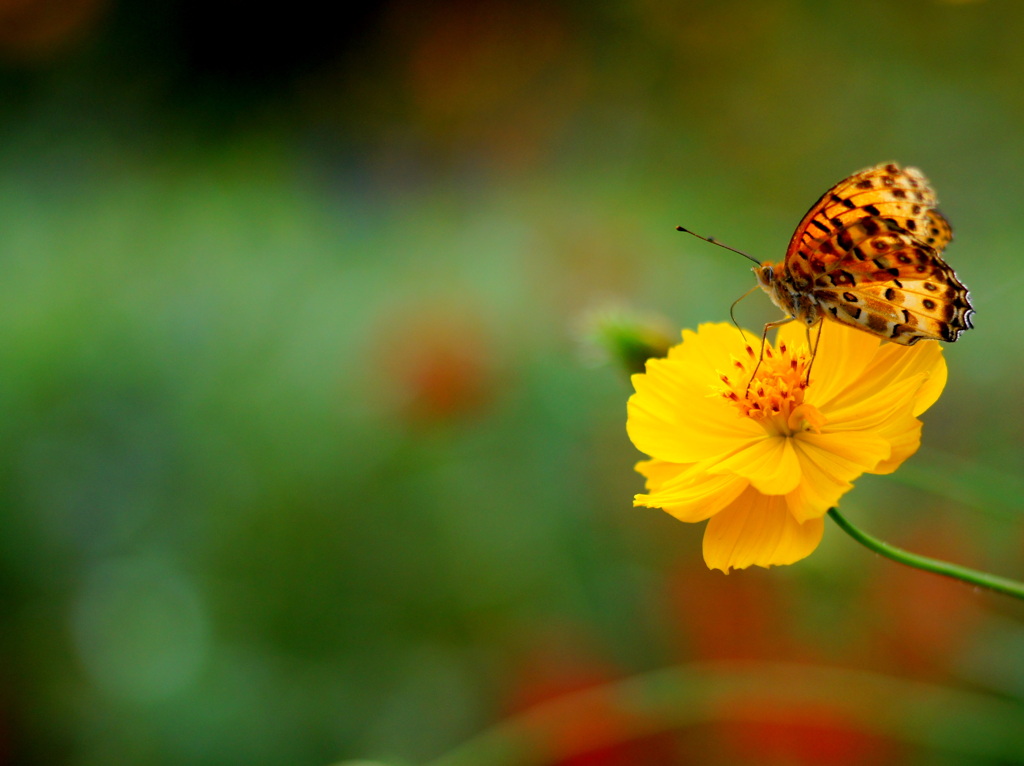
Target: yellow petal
868	406
812	499
827	475
860	450
674	417
904	436
711	349
896	362
932	388
691	494
768	462
842	354
759	530
657	472
794	335
852	366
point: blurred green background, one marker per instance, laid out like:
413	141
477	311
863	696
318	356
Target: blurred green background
304	457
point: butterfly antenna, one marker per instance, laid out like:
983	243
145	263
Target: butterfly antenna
714	241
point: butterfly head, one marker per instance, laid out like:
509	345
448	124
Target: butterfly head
772	278
765	273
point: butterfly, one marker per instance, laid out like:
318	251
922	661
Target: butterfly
868	254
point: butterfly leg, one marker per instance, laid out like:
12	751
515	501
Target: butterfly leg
764	339
814	351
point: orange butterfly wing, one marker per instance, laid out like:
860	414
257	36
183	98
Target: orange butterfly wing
867	254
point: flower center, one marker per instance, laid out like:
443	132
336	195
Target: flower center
775	395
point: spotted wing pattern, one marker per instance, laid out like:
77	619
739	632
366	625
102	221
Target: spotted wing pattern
890	284
867	254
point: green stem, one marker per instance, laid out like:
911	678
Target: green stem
971	576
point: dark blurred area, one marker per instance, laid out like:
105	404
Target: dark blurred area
302	454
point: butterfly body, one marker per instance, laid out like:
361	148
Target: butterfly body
868	255
790	293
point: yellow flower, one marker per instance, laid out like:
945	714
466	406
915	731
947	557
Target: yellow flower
764	463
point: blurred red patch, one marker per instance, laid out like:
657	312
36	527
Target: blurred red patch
438	367
32	30
495	80
745	615
594	730
921	621
793	735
